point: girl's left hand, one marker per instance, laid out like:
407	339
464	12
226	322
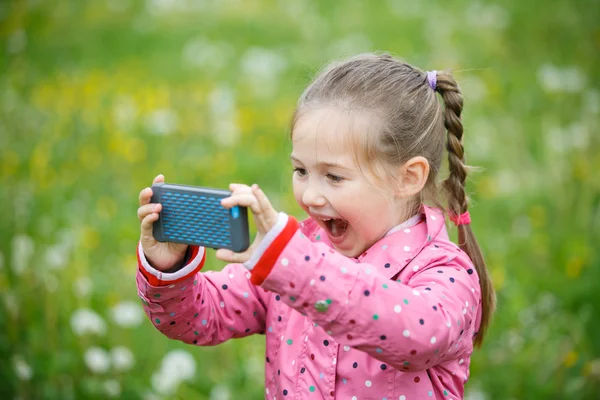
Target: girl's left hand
265	217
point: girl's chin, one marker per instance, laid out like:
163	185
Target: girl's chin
350	253
347	248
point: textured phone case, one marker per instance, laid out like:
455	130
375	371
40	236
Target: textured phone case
194	215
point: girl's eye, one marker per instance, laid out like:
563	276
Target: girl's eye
300	171
334	178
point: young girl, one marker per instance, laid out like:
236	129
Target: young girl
367	298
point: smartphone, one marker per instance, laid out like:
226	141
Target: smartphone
194	215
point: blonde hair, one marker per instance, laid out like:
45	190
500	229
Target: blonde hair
409	122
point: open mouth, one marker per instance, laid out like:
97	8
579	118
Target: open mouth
336	227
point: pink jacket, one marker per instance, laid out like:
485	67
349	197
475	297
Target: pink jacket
396	323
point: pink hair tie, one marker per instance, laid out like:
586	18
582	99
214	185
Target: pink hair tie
462	219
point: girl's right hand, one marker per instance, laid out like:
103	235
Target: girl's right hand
162	256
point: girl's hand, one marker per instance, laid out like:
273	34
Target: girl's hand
162	256
265	217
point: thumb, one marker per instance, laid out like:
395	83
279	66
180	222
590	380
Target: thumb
232	257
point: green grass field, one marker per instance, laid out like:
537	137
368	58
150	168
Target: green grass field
98	97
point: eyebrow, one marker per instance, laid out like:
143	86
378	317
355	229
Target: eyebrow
322	164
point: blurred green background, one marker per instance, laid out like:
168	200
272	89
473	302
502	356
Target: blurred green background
98	97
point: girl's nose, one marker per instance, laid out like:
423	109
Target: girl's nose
313	198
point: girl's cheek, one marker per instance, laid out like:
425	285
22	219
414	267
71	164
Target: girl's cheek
297	189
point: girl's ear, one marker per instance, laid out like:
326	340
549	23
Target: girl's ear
412	177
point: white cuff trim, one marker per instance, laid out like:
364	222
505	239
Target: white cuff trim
282	220
175	275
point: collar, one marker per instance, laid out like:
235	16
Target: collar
415	219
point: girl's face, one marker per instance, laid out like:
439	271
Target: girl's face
329	186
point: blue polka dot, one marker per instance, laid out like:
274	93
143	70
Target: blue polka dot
307	258
204	322
470	271
322	277
452	280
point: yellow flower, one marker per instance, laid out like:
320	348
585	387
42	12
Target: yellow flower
90	238
570	359
10	163
573	268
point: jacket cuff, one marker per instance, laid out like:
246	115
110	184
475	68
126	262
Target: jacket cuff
158	278
267	253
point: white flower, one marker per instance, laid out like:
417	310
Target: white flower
22	369
22	250
82	286
125	112
127	314
97	360
55	256
262	65
220	392
112	387
176	366
491	16
223	115
122	358
85	321
148	395
475	393
555	79
202	53
162	122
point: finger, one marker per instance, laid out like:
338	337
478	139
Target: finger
244	200
145	196
231	257
147	224
261	197
266	210
159	178
146	209
239	188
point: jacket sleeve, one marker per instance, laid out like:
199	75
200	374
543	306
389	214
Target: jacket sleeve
203	308
410	325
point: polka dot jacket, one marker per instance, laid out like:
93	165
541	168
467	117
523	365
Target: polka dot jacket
395	323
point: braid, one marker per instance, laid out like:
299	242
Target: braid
454	186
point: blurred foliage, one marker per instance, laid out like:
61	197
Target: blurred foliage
97	97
